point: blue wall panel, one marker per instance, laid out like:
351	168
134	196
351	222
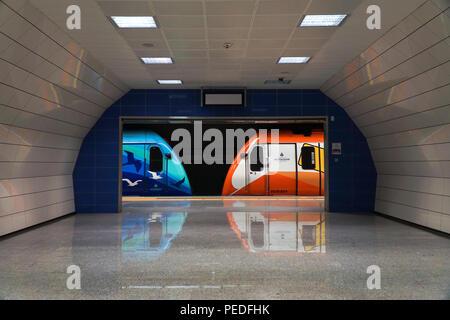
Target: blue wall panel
352	179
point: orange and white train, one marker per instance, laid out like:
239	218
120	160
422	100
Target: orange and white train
283	164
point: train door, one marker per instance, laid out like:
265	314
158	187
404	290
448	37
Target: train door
282	159
133	159
256	170
155	170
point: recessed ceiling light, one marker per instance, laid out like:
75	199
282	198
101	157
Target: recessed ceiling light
322	20
170	81
294	59
134	21
159	60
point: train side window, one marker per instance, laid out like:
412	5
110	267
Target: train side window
308	158
256	157
156	160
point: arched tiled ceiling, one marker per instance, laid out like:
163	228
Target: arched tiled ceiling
193	33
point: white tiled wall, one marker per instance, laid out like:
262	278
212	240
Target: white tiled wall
398	93
51	93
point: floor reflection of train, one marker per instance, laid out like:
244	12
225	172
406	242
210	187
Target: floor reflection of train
299	232
146	236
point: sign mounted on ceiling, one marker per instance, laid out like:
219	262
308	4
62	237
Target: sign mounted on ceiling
223	97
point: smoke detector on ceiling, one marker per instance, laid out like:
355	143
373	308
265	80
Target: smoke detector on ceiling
227	45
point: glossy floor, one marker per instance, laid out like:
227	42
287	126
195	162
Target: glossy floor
225	249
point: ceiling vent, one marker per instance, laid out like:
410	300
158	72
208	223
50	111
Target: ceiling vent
278	81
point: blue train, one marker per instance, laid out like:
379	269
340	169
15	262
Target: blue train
150	167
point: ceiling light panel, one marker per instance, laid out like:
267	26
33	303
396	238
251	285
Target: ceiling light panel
134	21
294	59
170	81
322	20
157	60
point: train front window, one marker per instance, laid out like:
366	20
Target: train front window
156	160
308	158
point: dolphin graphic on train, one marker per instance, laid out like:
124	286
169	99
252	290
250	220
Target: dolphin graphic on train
150	167
284	164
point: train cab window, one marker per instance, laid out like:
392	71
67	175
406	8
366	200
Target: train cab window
308	158
256	159
156	160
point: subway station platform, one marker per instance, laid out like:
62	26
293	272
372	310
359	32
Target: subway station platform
219	248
